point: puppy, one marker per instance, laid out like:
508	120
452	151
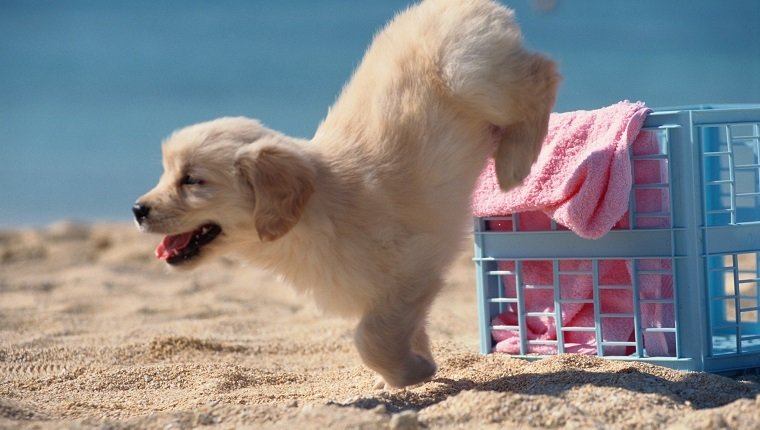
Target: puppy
367	215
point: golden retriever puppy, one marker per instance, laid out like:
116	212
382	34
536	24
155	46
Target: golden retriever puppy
367	215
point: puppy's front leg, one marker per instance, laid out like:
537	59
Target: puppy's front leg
392	341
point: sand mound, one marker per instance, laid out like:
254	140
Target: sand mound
95	333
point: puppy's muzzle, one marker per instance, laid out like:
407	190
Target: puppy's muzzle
141	212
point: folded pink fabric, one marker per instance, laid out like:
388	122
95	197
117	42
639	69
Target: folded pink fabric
583	180
582	177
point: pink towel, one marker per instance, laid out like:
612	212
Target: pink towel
579	286
583	179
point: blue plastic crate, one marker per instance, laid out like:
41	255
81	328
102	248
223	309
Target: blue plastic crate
700	247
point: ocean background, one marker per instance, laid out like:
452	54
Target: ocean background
89	88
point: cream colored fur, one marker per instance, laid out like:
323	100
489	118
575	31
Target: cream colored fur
368	214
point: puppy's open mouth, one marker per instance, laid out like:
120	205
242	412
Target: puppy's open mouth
179	248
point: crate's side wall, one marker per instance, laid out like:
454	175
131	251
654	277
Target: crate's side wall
730	151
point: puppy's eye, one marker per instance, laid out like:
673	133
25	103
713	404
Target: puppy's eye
191	180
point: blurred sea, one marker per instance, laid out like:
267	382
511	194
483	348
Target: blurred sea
89	88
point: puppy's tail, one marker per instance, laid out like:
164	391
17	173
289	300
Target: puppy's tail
532	96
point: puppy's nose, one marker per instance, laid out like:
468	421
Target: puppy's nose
141	212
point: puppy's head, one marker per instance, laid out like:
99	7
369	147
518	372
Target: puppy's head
225	182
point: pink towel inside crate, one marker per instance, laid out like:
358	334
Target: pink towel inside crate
578	285
582	180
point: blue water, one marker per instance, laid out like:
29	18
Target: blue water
88	89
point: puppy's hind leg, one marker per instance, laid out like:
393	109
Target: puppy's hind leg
513	91
531	93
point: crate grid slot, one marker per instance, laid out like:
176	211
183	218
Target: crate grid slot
694	279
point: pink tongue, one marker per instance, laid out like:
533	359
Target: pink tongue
172	245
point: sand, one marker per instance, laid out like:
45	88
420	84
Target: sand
95	333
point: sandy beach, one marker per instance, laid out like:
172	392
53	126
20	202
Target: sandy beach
96	333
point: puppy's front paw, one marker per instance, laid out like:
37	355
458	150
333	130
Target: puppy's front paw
416	370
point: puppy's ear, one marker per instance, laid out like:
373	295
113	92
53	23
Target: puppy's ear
282	178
